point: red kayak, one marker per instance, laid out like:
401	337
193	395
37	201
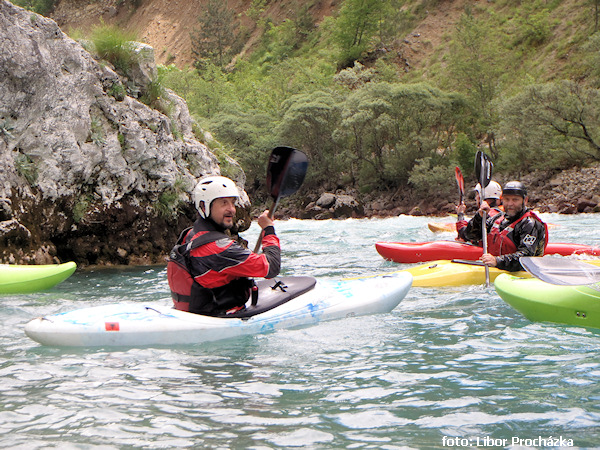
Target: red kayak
414	252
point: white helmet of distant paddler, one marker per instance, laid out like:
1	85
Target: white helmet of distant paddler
492	190
210	188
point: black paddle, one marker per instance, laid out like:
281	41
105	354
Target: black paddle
285	174
561	271
483	171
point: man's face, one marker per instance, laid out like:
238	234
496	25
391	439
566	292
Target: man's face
513	204
222	211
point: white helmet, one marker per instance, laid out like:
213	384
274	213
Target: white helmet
210	188
492	190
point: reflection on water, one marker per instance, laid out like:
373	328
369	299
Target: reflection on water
447	363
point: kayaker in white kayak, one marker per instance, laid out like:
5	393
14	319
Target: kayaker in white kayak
210	273
493	193
517	232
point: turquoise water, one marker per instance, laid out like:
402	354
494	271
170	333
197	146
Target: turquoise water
448	368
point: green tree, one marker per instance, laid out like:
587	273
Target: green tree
213	39
387	127
308	123
465	151
551	125
206	92
476	65
592	61
43	7
432	181
357	23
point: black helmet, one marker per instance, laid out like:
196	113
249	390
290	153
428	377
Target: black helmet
514	188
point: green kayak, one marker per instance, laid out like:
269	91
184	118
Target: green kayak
544	302
17	279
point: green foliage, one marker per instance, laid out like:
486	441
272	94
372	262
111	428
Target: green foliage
533	24
368	126
43	7
432	181
592	61
97	132
5	129
122	141
256	9
117	90
390	126
115	46
477	64
465	154
80	208
357	23
154	96
170	200
308	123
26	168
551	125
206	93
212	40
355	77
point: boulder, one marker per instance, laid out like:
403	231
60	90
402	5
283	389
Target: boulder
346	206
326	200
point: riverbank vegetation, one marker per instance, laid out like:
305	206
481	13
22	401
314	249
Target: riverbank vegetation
517	79
340	92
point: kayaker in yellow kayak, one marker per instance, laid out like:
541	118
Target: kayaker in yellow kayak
493	193
516	232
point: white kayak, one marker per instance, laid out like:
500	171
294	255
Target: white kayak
143	324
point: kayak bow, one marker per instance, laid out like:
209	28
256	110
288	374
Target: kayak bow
24	279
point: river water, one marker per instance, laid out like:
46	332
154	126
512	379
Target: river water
449	367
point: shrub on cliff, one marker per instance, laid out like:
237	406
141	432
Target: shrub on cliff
115	46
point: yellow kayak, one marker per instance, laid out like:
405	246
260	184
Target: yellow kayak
446	273
439	227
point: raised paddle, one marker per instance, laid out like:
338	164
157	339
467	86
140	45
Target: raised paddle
561	271
483	171
285	173
460	182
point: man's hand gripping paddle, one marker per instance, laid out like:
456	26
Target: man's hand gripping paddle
483	172
285	174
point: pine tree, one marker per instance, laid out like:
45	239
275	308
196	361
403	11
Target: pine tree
213	38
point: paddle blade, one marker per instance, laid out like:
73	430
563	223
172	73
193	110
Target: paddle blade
483	168
561	271
286	171
460	182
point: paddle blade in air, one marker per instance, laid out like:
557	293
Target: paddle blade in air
483	168
286	171
460	182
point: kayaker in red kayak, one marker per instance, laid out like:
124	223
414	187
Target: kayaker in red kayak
209	273
517	232
493	193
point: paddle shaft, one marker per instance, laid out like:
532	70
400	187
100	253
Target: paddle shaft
262	232
483	184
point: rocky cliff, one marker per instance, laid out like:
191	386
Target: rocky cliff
87	171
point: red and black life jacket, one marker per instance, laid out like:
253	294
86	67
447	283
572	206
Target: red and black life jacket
499	242
189	295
